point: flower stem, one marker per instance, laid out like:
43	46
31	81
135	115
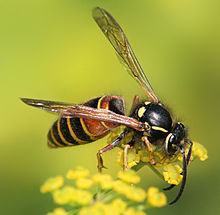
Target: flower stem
154	170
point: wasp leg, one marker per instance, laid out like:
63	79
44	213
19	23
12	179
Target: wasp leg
109	147
125	156
150	149
135	103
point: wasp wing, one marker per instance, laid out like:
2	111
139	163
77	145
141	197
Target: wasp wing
82	111
119	41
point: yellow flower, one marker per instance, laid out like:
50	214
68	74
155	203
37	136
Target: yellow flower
121	187
80	172
52	184
69	194
82	197
172	174
133	158
199	151
84	183
139	212
132	211
64	195
97	209
104	180
129	176
118	205
58	211
156	198
86	211
144	155
136	194
131	192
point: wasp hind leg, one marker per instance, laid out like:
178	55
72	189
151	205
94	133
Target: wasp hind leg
108	148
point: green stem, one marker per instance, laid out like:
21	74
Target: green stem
74	211
141	164
154	170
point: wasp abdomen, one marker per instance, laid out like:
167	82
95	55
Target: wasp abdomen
71	131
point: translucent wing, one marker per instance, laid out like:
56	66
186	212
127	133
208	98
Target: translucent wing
119	41
82	111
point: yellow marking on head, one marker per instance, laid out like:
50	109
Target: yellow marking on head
159	129
141	111
167	139
147	103
72	132
61	134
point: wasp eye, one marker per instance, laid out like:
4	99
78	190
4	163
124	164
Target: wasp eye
170	146
172	139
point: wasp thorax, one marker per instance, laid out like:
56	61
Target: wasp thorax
156	116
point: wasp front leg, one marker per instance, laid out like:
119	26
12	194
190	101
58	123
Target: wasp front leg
150	149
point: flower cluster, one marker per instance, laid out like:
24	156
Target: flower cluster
100	194
168	168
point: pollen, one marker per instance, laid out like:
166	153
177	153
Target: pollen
172	174
52	184
156	198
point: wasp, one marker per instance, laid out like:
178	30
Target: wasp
150	121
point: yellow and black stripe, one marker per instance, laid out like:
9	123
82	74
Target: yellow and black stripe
71	131
67	132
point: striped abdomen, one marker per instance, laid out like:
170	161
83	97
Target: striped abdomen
71	131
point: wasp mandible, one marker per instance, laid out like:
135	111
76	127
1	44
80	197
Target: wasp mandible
150	121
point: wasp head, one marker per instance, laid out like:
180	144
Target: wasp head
174	139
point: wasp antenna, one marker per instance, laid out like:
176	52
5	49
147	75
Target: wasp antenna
170	187
190	150
187	162
184	178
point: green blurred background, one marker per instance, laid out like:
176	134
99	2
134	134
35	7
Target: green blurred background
51	49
